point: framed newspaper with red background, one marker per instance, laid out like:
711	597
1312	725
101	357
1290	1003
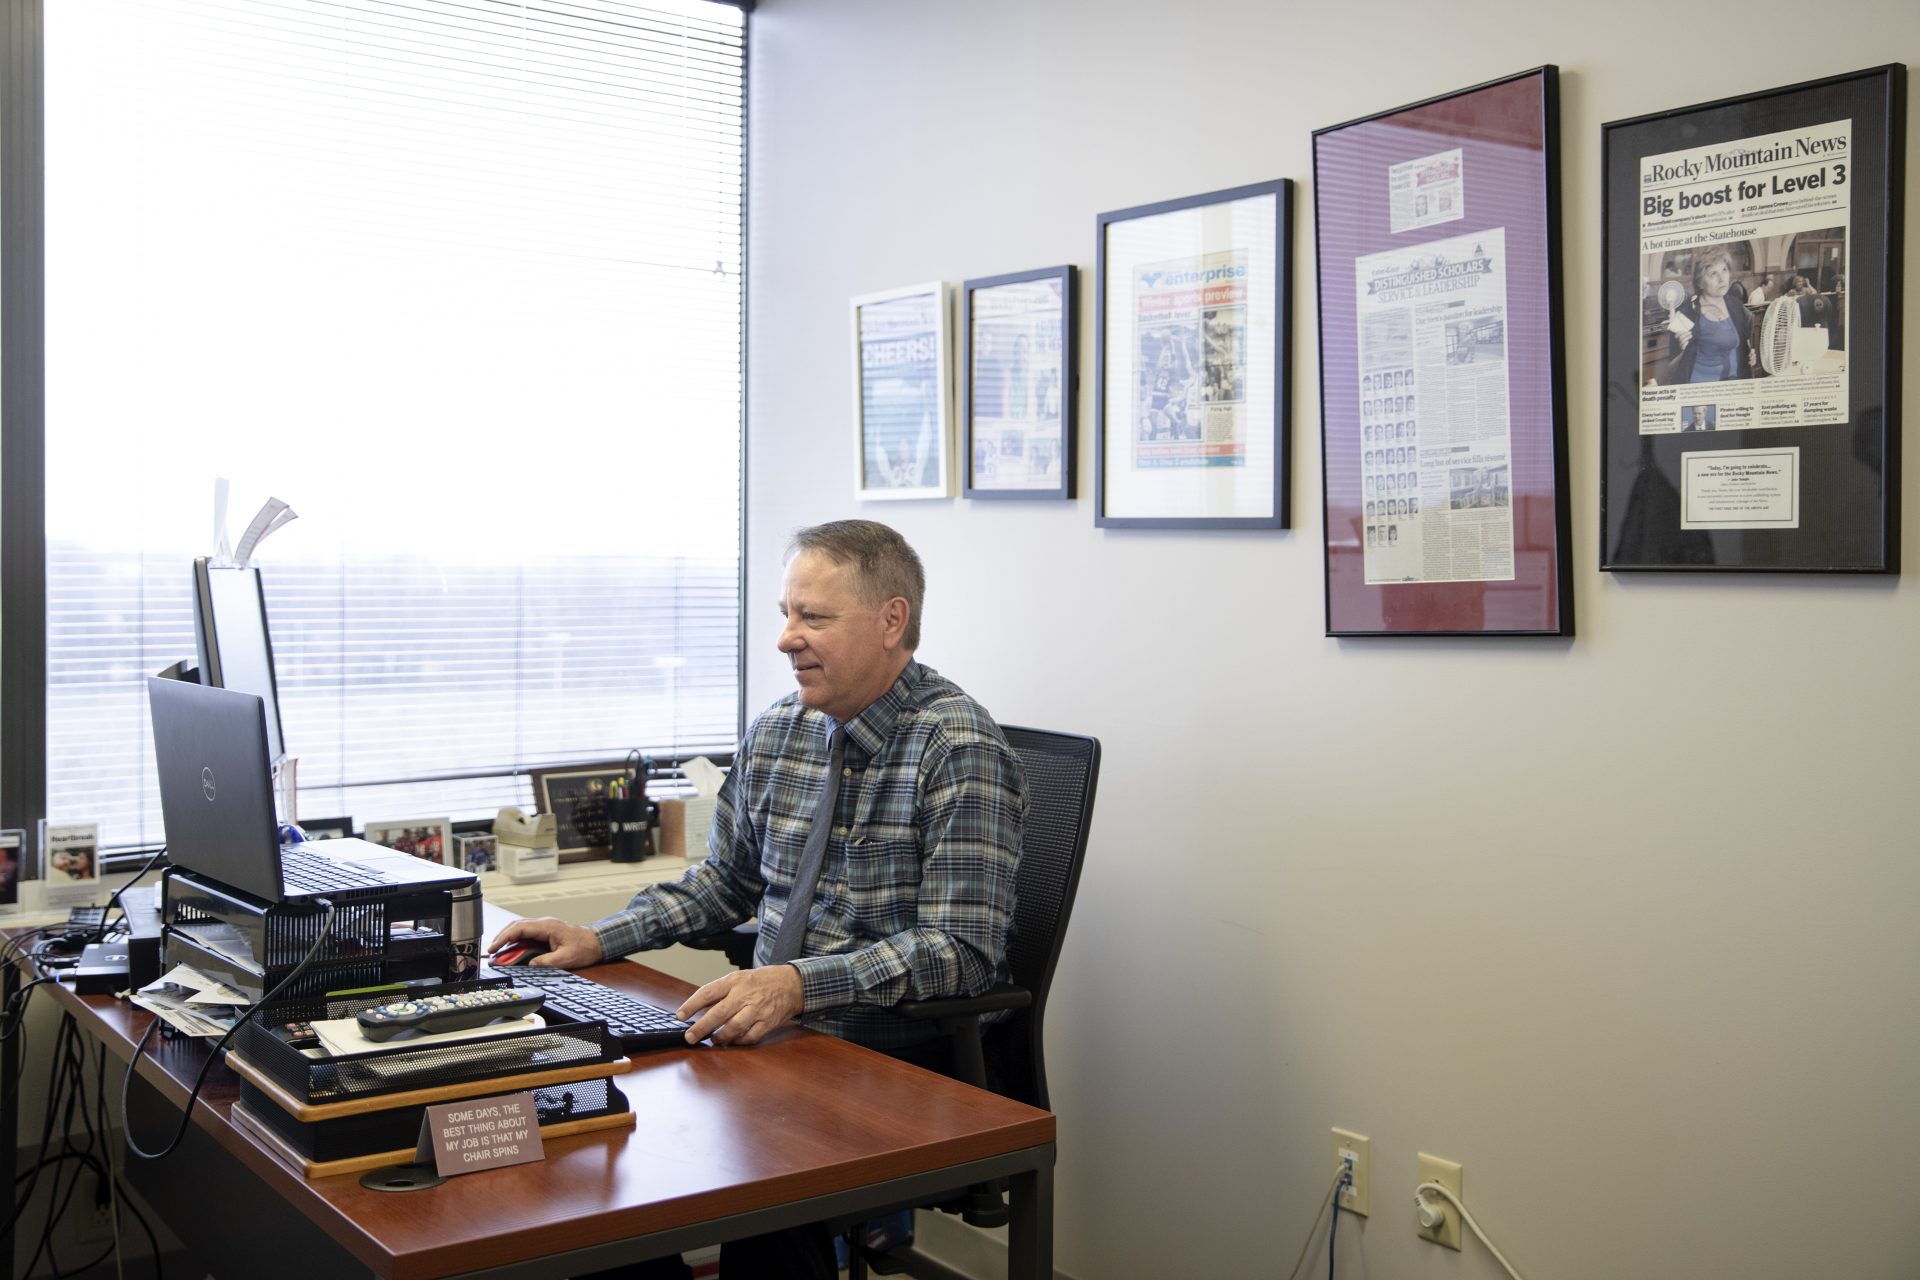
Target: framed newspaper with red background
1442	368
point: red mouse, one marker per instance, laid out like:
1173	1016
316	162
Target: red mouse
516	953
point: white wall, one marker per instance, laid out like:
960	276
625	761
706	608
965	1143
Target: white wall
1625	924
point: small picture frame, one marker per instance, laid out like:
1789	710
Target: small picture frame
1017	343
576	796
477	851
1751	311
902	394
328	828
72	853
13	855
429	839
1192	383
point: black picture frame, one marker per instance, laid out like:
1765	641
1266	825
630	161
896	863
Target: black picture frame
1235	472
576	796
1785	458
1442	351
1019	413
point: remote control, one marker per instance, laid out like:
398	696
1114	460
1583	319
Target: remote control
454	1012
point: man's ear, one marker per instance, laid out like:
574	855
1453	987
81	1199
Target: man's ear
893	621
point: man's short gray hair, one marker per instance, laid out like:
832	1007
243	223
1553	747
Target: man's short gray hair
884	566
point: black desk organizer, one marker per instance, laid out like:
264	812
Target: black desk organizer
263	1043
252	945
362	1126
396	1128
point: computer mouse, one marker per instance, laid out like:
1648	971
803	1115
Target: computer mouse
516	953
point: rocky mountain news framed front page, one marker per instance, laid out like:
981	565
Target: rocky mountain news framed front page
1751	312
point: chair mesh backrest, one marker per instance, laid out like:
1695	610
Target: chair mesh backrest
1061	771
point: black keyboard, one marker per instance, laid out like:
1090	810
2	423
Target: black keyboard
631	1020
304	872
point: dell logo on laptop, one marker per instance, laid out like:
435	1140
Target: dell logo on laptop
206	782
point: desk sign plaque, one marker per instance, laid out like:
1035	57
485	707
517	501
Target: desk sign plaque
480	1133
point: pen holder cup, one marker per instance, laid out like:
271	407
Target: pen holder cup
630	824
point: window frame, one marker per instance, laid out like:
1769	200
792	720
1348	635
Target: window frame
23	545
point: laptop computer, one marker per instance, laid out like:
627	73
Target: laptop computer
216	799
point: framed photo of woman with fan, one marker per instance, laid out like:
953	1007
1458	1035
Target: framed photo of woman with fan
1749	301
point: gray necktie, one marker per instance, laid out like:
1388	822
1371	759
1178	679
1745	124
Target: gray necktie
793	925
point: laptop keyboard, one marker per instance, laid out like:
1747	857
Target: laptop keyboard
304	872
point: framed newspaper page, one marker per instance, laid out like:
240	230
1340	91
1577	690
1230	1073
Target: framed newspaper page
1442	370
1751	319
1191	379
902	394
1017	342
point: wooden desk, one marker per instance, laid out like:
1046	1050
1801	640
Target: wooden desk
731	1142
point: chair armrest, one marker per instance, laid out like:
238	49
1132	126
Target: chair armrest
1003	996
738	943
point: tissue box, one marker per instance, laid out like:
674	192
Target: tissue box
673	823
697	826
521	864
697	821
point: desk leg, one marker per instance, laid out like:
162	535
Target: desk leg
10	1068
1030	1230
231	1223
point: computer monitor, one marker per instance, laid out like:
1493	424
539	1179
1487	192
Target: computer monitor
231	640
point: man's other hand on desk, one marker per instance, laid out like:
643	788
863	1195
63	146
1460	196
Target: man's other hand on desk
568	946
745	1006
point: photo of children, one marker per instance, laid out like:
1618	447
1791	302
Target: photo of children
424	838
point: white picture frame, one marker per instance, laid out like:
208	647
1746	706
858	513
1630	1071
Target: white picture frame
1191	435
429	839
70	853
903	393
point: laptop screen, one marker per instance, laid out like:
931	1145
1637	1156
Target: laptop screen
216	789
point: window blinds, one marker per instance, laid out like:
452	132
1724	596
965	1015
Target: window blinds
461	281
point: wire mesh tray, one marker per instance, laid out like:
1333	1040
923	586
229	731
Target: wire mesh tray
263	1042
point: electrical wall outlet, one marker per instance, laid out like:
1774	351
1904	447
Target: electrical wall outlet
1356	1198
1447	1174
92	1215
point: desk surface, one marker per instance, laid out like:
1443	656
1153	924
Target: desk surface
722	1133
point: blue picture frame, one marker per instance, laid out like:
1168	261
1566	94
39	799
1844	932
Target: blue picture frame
1026	449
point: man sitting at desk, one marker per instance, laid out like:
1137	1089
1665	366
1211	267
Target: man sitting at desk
915	869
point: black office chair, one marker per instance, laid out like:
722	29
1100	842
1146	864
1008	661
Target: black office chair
1061	772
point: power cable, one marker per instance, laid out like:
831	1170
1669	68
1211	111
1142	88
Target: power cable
213	1054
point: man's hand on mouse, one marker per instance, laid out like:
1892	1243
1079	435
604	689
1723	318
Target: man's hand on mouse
568	946
745	1006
